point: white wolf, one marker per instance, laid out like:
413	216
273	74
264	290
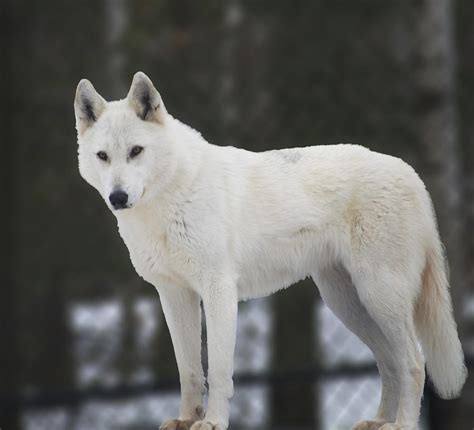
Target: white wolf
219	225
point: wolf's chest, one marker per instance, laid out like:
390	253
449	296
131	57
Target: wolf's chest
150	252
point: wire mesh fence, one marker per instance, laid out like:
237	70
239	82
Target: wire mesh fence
345	380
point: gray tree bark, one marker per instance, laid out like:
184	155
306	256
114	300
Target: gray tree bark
293	348
9	361
437	119
116	20
228	95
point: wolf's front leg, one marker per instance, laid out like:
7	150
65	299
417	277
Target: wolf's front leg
182	311
220	307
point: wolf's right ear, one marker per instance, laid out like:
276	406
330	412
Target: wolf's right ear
145	100
88	105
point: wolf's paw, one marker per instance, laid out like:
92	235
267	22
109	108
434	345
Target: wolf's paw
393	426
206	425
177	425
369	425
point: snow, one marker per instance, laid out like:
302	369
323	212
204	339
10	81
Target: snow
97	329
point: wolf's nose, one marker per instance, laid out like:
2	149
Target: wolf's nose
118	199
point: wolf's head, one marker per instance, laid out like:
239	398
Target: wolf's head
125	147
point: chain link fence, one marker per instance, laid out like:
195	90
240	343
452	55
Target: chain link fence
345	379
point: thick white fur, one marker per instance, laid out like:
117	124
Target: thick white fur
224	224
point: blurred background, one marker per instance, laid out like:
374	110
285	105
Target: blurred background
83	341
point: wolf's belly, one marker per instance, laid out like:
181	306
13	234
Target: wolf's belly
277	265
260	283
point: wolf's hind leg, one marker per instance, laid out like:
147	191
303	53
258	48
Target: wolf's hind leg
340	295
389	299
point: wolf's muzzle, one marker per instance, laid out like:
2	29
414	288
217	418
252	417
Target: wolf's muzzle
118	199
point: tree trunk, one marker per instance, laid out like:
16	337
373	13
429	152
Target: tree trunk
293	348
10	364
437	120
228	95
116	19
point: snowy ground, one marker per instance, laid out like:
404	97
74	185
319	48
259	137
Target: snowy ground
97	329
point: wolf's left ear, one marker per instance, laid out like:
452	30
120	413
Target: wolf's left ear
145	100
88	105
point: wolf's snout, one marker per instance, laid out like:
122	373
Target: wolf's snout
118	199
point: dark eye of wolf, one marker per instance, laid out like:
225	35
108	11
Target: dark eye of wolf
135	151
102	155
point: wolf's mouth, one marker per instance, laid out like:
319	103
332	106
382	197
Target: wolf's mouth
122	208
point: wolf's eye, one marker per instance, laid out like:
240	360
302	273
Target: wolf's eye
102	155
135	151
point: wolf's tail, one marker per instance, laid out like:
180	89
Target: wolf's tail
437	329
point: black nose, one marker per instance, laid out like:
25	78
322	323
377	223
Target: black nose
118	199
